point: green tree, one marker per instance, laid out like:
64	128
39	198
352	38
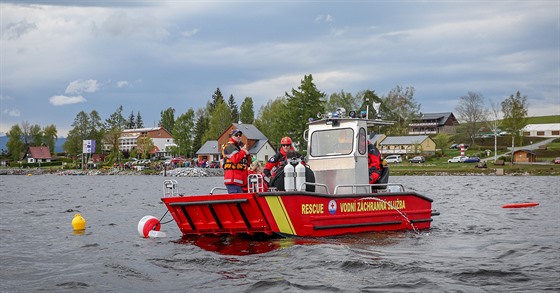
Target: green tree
144	145
114	126
73	144
303	103
139	121
36	135
442	140
84	127
270	120
50	137
233	109
367	99
515	110
97	129
26	133
131	122
217	98
202	124
342	100
402	108
471	110
183	133
247	113
219	122
116	120
167	119
15	144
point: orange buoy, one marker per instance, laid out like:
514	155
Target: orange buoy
520	205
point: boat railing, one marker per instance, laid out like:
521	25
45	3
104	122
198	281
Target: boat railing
217	188
170	188
255	183
386	186
304	184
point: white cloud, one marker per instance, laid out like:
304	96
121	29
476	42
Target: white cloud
65	100
189	33
122	83
5	98
12	112
80	86
324	18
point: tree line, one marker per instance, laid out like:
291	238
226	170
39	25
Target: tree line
285	115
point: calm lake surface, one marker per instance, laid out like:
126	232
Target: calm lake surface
473	246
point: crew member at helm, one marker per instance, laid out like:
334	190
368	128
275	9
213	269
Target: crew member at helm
374	163
279	158
236	162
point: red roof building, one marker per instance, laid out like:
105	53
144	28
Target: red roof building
36	154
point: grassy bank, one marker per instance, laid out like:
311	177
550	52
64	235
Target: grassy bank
471	169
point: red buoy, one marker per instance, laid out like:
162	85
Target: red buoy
520	205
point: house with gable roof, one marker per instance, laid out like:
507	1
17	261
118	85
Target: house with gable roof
434	123
407	145
37	154
257	144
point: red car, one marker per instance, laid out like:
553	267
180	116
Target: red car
557	160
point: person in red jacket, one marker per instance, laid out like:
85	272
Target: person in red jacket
236	163
374	163
279	158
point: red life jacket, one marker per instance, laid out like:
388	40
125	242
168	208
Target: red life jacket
236	163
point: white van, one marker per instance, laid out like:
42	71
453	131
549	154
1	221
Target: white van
393	159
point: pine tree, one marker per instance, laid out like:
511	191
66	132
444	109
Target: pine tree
139	122
234	110
131	123
303	104
247	113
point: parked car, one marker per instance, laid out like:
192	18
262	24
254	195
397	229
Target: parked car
557	160
458	146
393	159
177	161
417	159
458	159
472	160
214	164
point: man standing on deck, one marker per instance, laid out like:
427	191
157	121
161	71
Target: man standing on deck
236	163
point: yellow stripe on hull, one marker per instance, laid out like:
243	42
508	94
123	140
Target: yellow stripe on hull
280	215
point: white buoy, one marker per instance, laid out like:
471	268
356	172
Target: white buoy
149	227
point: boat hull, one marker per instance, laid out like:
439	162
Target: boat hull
299	213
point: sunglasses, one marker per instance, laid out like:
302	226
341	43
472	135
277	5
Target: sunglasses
238	135
286	145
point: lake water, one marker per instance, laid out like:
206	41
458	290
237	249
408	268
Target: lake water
473	246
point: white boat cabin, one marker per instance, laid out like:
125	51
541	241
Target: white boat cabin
338	152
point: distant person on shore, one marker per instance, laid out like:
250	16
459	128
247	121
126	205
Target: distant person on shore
236	163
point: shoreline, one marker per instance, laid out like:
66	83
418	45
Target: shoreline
215	172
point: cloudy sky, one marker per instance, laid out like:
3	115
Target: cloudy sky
61	57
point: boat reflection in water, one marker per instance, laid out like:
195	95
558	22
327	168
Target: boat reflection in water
245	245
240	245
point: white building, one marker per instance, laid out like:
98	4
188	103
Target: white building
161	138
542	130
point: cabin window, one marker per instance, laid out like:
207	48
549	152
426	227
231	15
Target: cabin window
362	143
332	142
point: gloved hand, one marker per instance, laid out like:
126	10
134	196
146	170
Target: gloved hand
267	172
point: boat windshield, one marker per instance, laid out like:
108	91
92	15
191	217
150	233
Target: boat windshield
332	142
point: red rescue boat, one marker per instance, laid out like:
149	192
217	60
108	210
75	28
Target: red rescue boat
332	198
